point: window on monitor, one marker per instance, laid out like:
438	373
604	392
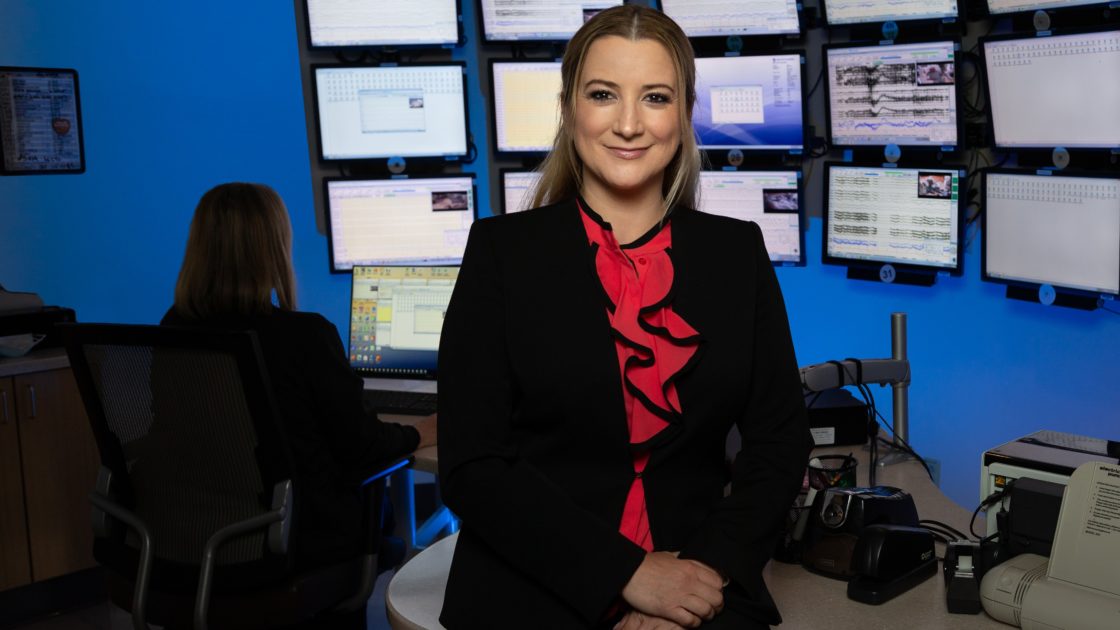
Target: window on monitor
1013	6
367	112
772	199
526	104
341	23
723	18
517	189
750	102
541	20
1057	91
904	94
416	221
908	217
1052	229
863	12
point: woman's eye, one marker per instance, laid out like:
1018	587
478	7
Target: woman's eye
599	95
657	97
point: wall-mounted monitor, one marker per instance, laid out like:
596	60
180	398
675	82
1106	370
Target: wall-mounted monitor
750	102
839	12
908	217
399	221
40	121
724	18
996	7
525	101
370	112
1052	229
518	188
1056	91
903	94
539	20
392	23
771	198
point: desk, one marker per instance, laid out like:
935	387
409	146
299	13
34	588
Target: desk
807	601
404	502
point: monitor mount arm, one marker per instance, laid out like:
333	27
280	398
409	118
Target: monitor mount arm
894	371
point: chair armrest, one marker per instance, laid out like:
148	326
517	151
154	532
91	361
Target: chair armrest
144	566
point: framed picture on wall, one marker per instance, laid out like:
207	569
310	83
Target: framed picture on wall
40	121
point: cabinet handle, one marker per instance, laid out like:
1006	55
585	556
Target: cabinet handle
34	402
4	405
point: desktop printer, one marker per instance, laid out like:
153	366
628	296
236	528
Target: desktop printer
1046	455
25	322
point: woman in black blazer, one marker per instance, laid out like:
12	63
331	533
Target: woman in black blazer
595	355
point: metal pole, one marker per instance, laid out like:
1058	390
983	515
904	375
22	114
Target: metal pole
902	389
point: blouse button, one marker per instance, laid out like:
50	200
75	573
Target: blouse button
641	260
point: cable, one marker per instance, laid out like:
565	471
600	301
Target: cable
944	526
992	498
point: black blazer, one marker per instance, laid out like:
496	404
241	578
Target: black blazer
534	450
333	440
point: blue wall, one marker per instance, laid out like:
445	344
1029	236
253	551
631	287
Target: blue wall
177	97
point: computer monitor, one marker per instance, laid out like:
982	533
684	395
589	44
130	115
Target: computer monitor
347	23
838	12
540	20
414	110
750	102
909	217
525	97
40	121
415	221
996	7
517	189
723	18
772	199
1056	91
396	315
903	94
1061	230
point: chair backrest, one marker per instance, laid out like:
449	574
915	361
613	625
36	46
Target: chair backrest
185	421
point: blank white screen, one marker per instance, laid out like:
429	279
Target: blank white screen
382	22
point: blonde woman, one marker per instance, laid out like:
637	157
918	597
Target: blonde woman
595	355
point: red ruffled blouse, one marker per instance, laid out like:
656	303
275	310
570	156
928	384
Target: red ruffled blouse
654	346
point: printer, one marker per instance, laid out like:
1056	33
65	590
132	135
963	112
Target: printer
1046	455
26	323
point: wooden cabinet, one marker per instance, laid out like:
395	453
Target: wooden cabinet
48	465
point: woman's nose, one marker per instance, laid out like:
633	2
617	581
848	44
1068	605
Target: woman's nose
629	121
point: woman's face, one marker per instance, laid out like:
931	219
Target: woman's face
627	115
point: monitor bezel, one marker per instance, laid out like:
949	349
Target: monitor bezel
801	211
326	182
991	124
658	4
864	263
4	170
944	148
769	149
487	39
357	47
462	65
984	275
502	172
498	151
958	18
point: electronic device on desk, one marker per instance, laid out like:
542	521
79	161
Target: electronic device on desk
1046	455
1078	587
839	516
837	418
25	323
396	315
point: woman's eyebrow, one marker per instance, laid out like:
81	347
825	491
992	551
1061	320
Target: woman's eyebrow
615	86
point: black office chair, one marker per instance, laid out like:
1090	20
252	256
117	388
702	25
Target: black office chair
197	498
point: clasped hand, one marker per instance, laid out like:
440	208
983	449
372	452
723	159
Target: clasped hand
684	592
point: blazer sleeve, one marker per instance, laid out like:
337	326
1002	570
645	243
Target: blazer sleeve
510	505
738	537
360	442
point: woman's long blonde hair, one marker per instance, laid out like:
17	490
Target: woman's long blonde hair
239	252
562	170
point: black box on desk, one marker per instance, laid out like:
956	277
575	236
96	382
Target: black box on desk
836	418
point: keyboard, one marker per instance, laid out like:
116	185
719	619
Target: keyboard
392	401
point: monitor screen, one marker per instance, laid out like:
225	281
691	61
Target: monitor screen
722	18
863	12
904	94
40	121
333	23
1013	6
1053	229
545	20
396	315
903	216
749	102
772	199
517	190
1058	91
526	104
422	221
388	111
